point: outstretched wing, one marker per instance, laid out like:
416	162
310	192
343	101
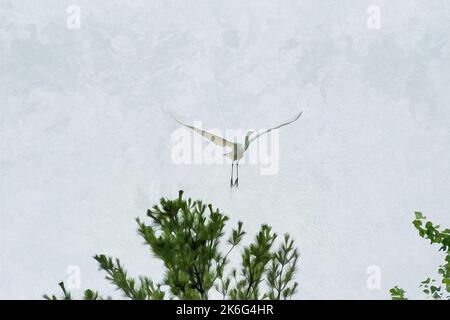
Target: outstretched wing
209	136
295	118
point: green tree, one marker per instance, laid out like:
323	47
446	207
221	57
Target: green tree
430	287
187	237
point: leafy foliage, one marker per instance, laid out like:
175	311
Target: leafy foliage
88	294
143	289
397	293
186	236
430	287
282	270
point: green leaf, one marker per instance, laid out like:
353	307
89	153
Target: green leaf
419	215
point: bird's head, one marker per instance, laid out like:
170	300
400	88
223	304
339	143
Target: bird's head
247	138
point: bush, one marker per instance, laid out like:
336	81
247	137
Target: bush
186	236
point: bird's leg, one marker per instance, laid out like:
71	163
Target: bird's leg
231	181
236	183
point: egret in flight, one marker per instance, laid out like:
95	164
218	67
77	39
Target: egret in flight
237	149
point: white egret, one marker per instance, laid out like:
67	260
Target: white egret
237	149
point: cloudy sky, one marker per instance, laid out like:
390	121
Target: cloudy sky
86	132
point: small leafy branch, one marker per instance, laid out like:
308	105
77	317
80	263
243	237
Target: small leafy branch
430	287
88	294
186	236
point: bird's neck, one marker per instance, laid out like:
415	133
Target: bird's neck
247	142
